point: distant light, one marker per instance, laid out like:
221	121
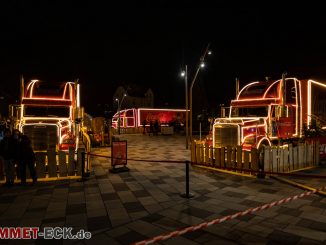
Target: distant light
124	95
116	99
209	52
202	65
183	73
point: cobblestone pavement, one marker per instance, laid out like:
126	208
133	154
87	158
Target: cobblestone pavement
145	202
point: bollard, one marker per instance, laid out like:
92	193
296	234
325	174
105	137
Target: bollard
83	164
187	194
261	174
84	175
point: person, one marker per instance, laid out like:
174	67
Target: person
16	148
7	153
144	126
151	127
156	127
27	158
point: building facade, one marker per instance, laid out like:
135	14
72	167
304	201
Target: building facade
136	97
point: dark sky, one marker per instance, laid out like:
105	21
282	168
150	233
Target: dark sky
106	46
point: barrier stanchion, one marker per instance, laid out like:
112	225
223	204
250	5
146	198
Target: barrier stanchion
84	174
261	174
187	194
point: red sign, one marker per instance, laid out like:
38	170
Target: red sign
119	153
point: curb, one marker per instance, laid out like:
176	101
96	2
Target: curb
298	185
224	171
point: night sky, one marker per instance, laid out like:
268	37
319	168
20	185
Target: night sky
107	46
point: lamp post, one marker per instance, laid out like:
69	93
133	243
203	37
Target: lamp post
119	108
185	75
201	65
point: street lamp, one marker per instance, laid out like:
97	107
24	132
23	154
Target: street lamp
119	108
185	75
201	65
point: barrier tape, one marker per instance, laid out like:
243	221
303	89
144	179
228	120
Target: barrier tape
315	176
138	160
225	218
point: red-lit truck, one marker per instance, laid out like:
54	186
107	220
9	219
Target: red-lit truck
47	114
264	113
134	119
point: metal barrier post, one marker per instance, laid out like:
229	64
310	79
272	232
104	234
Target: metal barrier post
84	174
261	174
187	194
83	164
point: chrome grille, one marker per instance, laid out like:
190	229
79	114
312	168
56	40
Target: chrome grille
43	137
226	135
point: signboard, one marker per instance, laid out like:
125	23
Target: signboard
119	153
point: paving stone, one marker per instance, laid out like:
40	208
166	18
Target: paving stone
145	228
138	215
109	196
115	232
282	237
54	220
305	241
235	194
130	237
121	187
7	199
271	191
200	213
98	223
319	226
305	232
76	220
76	209
133	207
289	211
44	191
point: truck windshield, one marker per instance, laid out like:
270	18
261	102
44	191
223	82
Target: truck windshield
46	111
249	111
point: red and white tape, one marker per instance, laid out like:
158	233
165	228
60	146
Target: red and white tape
225	218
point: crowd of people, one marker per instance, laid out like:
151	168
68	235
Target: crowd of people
154	127
16	153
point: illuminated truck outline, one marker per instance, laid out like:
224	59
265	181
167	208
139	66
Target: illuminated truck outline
133	118
66	130
254	131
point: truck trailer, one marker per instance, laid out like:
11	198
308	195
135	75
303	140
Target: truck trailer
270	112
136	118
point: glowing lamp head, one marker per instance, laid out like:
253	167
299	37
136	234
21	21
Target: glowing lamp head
202	65
183	74
124	95
116	99
209	52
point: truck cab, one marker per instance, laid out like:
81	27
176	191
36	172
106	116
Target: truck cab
48	113
261	114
